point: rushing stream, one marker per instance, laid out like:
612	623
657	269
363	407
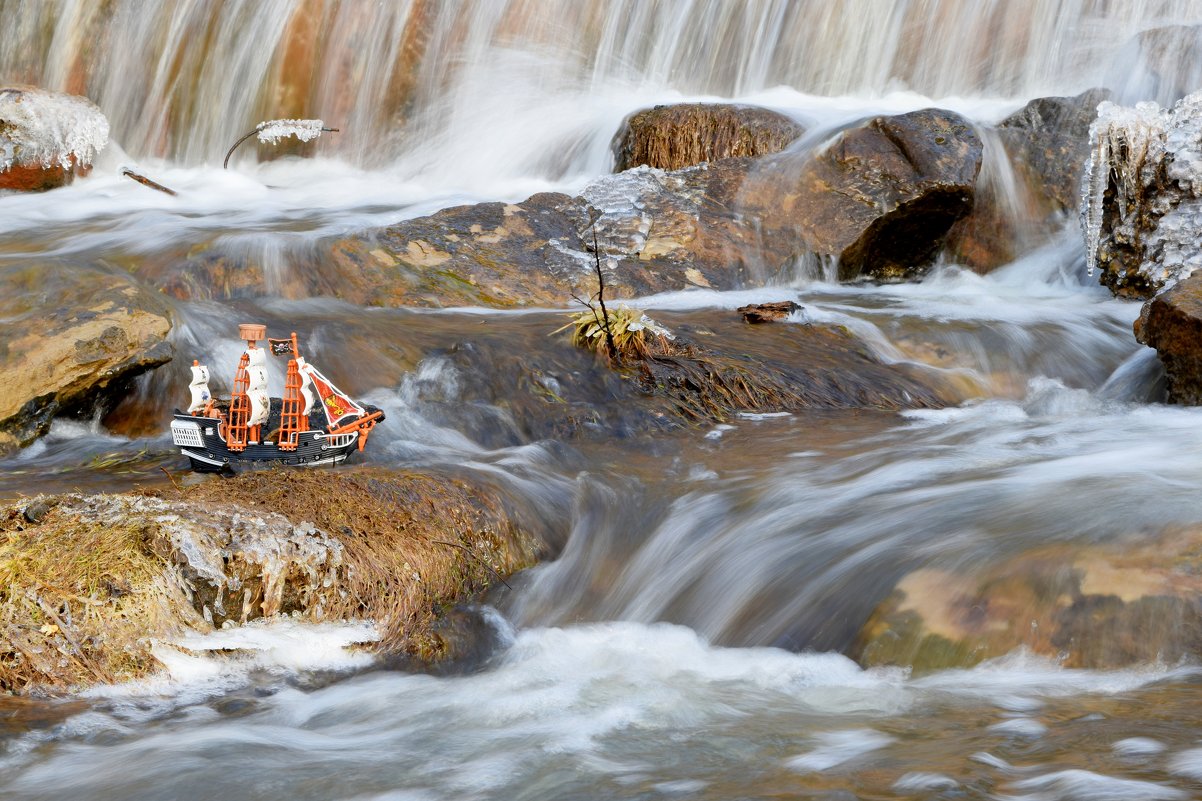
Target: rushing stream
689	640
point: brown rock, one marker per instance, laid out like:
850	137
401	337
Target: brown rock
1092	606
1048	139
1171	322
881	197
1030	179
69	337
97	579
768	312
686	134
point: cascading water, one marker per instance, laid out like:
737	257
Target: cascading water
691	639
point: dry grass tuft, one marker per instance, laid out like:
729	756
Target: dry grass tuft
77	600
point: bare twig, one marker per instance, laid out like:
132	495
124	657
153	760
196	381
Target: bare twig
478	559
144	181
171	478
609	336
226	164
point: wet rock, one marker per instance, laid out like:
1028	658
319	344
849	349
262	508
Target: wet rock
768	312
488	254
1171	322
687	134
70	338
717	367
1029	183
1091	606
86	589
47	138
881	197
1049	140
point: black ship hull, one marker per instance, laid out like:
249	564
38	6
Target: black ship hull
199	439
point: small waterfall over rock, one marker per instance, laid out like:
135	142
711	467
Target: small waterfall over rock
176	78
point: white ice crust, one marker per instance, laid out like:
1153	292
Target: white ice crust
272	131
49	129
1134	145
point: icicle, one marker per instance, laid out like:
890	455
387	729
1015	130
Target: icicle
1130	143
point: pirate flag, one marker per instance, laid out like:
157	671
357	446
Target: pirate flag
280	347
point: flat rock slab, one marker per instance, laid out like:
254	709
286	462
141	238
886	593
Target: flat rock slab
1091	606
69	338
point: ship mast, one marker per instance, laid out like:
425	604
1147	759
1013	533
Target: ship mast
293	420
238	430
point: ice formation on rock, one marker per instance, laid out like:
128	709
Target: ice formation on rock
49	129
1151	159
272	131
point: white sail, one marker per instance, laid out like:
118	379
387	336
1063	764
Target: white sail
199	387
260	406
260	401
306	389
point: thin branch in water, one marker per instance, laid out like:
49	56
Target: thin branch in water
171	478
609	336
144	181
275	130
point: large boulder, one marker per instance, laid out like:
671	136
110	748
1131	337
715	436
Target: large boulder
47	138
1029	183
1171	322
98	588
70	338
1090	606
1048	139
881	197
687	134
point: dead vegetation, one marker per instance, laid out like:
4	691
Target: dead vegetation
88	582
411	543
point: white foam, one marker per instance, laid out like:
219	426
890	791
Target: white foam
837	748
1084	785
1135	747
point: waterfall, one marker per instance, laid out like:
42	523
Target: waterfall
179	80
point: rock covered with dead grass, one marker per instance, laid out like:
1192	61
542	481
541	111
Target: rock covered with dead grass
88	584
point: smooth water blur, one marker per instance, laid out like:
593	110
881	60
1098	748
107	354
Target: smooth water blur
688	641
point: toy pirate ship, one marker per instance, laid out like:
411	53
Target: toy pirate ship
254	428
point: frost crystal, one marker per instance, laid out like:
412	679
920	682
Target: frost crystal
272	131
49	129
1153	159
1131	142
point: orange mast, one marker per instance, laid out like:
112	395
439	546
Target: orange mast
238	432
293	420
